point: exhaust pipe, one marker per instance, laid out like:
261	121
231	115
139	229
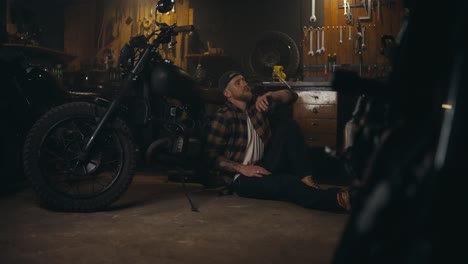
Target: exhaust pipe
159	143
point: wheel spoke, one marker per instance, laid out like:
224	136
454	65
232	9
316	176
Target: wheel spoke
66	172
54	155
110	163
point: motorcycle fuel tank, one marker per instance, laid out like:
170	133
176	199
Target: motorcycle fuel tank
167	79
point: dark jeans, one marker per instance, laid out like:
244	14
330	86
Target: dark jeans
286	157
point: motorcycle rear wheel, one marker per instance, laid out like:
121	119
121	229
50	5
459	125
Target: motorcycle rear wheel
60	178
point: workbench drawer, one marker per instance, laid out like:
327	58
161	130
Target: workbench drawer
313	126
316	97
314	111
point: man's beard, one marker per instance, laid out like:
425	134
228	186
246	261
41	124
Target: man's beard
245	97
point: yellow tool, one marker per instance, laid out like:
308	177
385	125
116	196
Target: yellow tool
278	73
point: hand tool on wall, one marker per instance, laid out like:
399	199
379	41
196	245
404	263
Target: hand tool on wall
153	16
331	62
318	51
358	43
311	39
366	5
349	32
134	12
344	8
323	40
305	30
313	18
363	30
358	46
341	34
347	12
147	20
116	20
139	18
378	10
142	20
129	19
368	9
126	29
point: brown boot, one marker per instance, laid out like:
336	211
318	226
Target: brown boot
343	198
309	181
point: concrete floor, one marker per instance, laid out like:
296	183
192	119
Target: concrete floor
153	223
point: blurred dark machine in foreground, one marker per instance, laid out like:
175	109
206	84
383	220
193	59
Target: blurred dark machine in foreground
409	145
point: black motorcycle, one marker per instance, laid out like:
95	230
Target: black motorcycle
81	156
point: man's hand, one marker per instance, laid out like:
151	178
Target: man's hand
246	170
263	102
252	170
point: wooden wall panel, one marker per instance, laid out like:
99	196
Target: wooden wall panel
94	28
79	32
184	17
85	22
388	22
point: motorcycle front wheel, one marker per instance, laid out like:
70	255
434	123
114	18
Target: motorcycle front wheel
62	177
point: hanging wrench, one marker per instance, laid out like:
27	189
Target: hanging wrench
341	34
323	40
311	39
378	10
349	32
347	14
312	17
363	45
368	8
318	41
344	7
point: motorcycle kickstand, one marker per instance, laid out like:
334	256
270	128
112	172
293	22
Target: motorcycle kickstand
192	205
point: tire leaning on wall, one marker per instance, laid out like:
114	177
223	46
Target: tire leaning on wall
273	48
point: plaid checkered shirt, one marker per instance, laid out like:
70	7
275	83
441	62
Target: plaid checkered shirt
227	135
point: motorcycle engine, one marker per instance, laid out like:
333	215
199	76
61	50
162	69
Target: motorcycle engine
180	129
179	108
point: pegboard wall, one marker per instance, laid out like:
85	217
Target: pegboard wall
347	38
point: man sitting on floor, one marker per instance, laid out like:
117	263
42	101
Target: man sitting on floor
259	160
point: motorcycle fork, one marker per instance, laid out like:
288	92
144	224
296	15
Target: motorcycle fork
118	99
